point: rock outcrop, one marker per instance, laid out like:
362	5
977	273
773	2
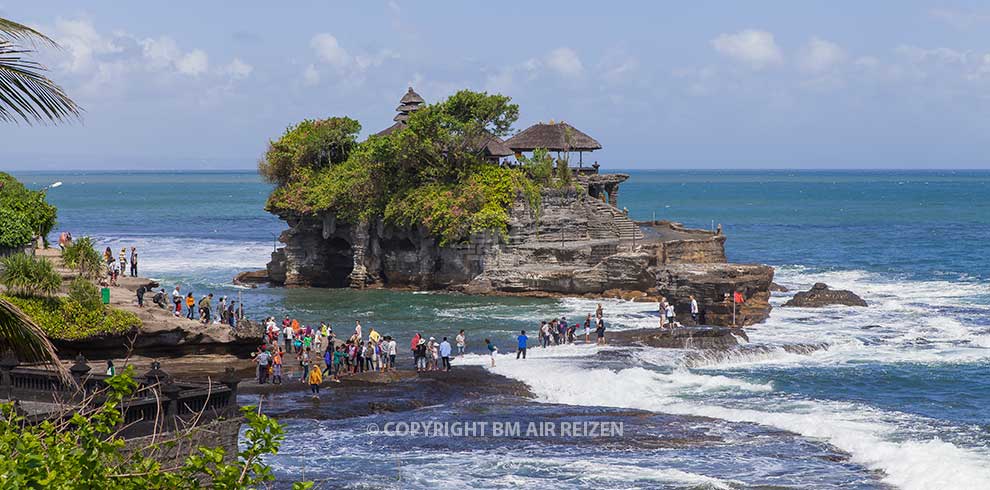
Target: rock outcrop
820	295
575	243
714	286
681	337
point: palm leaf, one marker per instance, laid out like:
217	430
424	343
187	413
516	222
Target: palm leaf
20	335
21	32
26	93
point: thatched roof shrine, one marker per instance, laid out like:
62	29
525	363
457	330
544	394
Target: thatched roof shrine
553	136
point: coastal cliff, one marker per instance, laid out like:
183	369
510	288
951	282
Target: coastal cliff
572	244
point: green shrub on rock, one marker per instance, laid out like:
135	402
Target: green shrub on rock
83	257
27	275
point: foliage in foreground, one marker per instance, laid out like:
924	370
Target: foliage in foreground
86	453
26	275
433	172
23	213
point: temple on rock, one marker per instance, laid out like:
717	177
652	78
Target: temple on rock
579	242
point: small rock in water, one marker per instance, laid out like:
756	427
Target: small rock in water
820	295
777	288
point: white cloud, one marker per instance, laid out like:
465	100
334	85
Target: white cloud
820	56
238	69
193	63
365	61
753	47
618	67
161	52
83	43
311	76
565	61
329	50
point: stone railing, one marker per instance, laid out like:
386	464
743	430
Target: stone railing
159	404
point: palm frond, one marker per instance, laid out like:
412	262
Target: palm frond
20	335
26	93
21	32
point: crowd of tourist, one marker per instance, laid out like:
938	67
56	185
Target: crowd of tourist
320	353
115	267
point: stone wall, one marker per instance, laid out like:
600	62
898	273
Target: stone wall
695	251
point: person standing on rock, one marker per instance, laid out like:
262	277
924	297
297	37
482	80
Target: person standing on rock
460	341
694	309
262	359
277	366
445	354
134	262
521	347
190	305
492	350
393	348
670	314
587	329
123	261
544	334
140	296
599	313
412	346
600	331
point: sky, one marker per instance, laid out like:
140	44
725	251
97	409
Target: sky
680	85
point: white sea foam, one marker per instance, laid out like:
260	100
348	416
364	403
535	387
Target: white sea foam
187	257
869	435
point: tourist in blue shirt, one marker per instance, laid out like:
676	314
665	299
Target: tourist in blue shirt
445	354
522	344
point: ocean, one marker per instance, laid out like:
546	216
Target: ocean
894	395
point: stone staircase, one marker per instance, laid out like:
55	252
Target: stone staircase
625	227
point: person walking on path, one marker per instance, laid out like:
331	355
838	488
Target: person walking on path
445	354
140	296
460	340
134	262
315	378
521	350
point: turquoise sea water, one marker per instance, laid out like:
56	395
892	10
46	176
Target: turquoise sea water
902	386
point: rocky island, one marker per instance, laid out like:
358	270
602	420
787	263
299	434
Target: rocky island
432	203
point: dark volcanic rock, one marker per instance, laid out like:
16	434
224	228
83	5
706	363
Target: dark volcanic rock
820	295
713	286
698	337
777	288
252	278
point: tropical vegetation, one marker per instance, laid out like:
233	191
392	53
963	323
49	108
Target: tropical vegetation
27	275
24	213
86	452
431	172
82	256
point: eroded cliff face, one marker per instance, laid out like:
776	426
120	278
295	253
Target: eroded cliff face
574	244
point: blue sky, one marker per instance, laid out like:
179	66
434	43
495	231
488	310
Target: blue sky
811	84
